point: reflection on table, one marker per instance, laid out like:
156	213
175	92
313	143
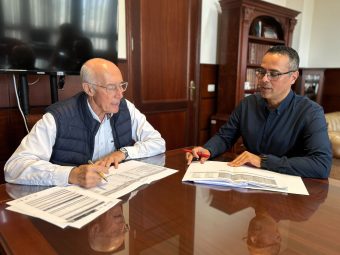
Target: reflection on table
171	217
263	234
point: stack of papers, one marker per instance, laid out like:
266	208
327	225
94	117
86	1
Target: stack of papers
75	206
63	206
219	173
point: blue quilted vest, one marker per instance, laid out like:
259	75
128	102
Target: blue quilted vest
76	130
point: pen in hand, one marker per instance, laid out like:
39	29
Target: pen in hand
100	173
203	155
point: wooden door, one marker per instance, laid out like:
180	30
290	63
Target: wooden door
163	55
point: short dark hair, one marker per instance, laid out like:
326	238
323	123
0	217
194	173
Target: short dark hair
294	59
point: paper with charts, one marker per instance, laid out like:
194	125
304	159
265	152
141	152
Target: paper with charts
219	173
75	206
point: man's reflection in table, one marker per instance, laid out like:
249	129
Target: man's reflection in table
104	234
263	233
107	232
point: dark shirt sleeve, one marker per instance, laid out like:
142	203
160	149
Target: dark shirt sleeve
317	159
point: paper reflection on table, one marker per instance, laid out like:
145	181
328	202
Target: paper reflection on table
17	190
263	234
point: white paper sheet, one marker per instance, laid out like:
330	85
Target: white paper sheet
63	206
129	176
219	173
75	206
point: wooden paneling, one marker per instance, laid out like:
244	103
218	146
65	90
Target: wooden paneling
165	36
204	136
208	75
331	90
171	125
4	137
123	66
4	85
207	101
12	131
207	108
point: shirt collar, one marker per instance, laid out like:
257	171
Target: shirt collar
95	116
283	105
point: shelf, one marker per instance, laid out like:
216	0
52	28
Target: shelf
250	91
263	40
253	66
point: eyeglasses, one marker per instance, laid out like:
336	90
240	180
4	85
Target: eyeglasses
110	88
271	75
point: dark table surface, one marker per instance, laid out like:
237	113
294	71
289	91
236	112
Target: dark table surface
171	217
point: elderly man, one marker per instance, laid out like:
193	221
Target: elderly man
281	131
97	125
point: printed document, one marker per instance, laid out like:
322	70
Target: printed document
219	173
75	206
63	206
129	176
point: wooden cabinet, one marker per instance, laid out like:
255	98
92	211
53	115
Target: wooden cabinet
310	83
247	29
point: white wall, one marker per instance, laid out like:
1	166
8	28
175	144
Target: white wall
303	30
315	37
121	30
209	24
325	37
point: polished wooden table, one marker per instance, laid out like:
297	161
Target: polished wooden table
171	217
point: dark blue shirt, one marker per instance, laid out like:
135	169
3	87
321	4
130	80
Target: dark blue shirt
293	136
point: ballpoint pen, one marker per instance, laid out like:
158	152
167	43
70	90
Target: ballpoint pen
203	155
100	173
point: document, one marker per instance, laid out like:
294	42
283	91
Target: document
219	173
63	206
75	206
129	176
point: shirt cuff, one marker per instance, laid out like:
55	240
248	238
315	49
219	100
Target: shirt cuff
211	151
132	152
264	159
61	175
272	162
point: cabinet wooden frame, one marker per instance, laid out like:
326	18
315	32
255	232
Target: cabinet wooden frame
310	83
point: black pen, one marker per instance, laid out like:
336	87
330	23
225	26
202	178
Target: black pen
100	173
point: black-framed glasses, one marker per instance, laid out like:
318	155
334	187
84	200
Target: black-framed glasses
110	88
271	75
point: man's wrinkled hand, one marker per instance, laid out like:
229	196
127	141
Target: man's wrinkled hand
113	158
87	176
